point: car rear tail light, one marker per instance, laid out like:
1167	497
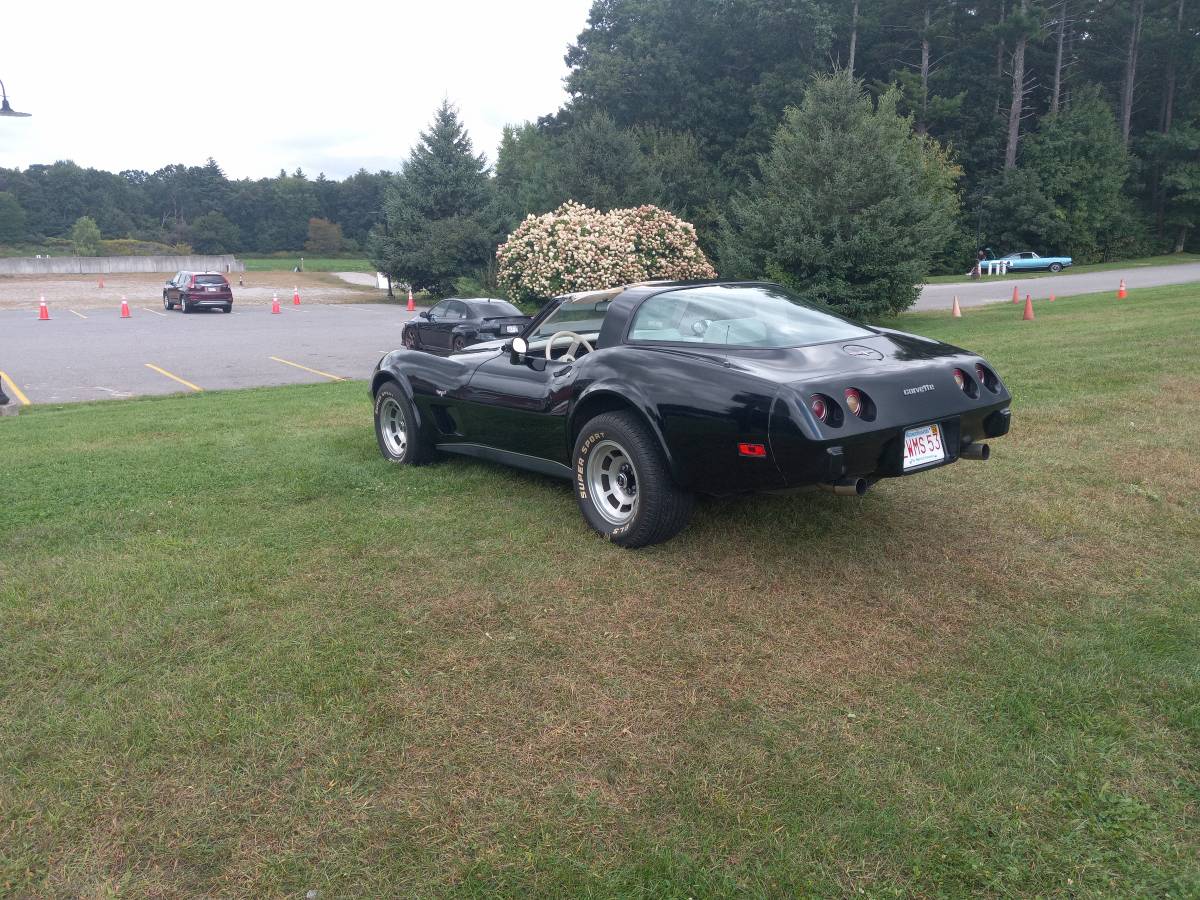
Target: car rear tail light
819	407
966	383
755	451
854	401
986	377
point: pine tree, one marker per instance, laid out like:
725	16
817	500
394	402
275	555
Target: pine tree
436	211
851	207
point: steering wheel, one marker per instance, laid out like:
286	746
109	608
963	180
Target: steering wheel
577	341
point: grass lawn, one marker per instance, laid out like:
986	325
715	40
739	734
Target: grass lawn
1169	259
311	264
242	656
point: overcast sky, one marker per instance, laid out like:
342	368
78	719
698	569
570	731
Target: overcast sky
258	87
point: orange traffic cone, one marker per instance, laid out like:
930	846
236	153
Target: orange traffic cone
1028	314
275	305
125	309
1052	296
101	284
956	311
1015	298
43	311
1121	292
295	296
412	307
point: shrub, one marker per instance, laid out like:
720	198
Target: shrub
576	248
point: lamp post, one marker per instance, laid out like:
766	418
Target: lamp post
5	109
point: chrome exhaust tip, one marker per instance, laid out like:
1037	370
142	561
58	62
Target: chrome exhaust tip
847	487
975	451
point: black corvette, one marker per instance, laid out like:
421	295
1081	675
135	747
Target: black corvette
456	323
643	396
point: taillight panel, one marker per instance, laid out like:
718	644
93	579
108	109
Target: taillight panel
966	383
825	409
987	377
859	404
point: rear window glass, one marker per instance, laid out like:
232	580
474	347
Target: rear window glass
737	316
496	308
210	279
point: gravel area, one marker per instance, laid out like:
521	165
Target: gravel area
83	291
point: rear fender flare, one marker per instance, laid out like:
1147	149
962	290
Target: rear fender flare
600	398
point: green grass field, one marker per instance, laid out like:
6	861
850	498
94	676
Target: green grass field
242	656
1170	259
311	264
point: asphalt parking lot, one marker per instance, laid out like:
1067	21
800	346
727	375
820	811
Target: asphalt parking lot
93	354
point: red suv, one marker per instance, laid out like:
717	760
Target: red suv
198	290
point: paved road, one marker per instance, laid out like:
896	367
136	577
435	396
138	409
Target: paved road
975	293
97	355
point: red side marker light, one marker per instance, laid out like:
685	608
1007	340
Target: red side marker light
755	451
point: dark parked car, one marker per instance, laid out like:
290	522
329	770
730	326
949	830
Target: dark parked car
198	290
457	323
645	395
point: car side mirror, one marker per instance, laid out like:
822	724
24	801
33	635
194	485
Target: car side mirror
518	347
425	314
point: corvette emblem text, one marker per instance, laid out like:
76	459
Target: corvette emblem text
918	390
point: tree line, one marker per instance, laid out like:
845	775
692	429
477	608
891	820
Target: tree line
1065	126
194	205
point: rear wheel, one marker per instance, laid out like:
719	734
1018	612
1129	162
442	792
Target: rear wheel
228	307
1055	267
623	484
396	427
458	343
184	306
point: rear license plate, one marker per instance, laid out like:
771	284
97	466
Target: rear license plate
211	290
511	329
923	446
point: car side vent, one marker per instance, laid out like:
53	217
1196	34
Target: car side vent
444	420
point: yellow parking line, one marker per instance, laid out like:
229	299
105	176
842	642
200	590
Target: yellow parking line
72	312
155	311
174	377
307	369
17	392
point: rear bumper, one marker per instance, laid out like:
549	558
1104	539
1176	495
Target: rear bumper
880	453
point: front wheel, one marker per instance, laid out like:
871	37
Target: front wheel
396	427
623	484
167	304
1055	267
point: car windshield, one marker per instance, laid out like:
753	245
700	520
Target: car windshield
583	315
737	316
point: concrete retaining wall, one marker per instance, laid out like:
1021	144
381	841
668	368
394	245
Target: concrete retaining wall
105	265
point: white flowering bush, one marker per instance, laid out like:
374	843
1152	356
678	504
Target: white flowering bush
576	248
